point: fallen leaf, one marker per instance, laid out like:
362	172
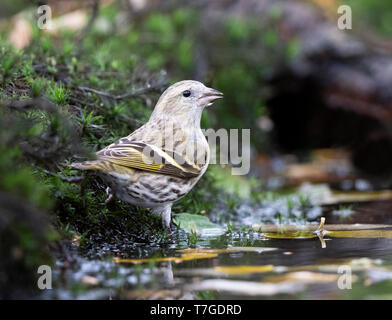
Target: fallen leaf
333	231
313	227
227	250
203	250
303	277
247	288
360	234
290	235
21	33
327	165
90	280
74	21
251	249
359	196
199	224
235	270
321	194
183	257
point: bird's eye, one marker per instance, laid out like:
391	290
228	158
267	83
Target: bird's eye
186	93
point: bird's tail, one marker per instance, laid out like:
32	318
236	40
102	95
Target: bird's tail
101	165
87	165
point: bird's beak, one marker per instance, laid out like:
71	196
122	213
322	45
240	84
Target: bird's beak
209	96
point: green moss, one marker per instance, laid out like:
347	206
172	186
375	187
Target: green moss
38	85
58	93
56	65
376	15
237	29
10	62
270	38
293	49
160	24
185	54
20	180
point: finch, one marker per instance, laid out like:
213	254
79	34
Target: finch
160	162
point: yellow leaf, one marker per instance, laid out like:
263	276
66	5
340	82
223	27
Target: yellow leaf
303	277
282	228
183	257
291	235
227	250
232	270
360	234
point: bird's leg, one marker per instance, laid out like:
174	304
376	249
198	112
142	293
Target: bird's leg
110	195
166	218
165	213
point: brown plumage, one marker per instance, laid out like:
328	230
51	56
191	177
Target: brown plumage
161	161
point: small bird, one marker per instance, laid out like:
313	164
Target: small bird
160	162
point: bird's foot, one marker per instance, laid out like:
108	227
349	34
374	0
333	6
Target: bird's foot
110	195
166	217
165	213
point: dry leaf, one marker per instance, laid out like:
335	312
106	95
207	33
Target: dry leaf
303	277
246	288
228	250
90	280
21	33
74	21
183	257
235	270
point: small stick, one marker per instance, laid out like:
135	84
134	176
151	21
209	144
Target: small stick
110	195
64	178
321	232
134	93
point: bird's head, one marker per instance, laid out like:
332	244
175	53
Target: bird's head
186	99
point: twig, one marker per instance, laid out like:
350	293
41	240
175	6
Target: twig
110	195
63	178
100	93
81	102
39	103
134	93
322	222
320	232
131	120
94	14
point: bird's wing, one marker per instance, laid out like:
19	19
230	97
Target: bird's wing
146	157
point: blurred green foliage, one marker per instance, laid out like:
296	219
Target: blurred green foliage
17	178
36	145
115	62
176	42
376	15
53	68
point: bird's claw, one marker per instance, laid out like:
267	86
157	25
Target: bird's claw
110	195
